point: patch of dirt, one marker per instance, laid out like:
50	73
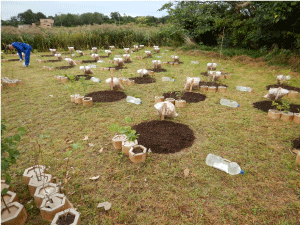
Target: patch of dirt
107	96
291	88
13	59
296	143
87	77
211	84
127	61
266	105
164	137
89	61
55	60
159	70
205	74
64	67
138	150
174	62
47	56
118	67
187	96
143	80
103	56
66	219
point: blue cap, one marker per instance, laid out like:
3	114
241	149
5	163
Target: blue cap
238	105
141	102
242	172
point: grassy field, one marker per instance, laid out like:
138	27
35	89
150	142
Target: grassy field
156	191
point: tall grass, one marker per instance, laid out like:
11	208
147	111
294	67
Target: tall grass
85	37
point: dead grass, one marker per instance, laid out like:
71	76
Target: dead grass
157	192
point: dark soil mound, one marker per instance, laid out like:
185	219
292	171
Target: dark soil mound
211	84
158	70
187	96
118	67
66	219
266	105
206	74
55	60
13	59
127	61
89	61
164	136
87	77
174	62
47	56
291	88
64	67
143	80
107	96
103	56
296	143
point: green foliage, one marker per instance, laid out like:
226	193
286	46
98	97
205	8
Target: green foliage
285	106
130	134
9	152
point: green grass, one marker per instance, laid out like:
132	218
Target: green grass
156	191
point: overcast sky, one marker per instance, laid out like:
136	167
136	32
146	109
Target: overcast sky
50	8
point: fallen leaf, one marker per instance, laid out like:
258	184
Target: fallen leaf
186	172
106	205
94	178
66	180
91	145
101	150
85	138
68	141
51	96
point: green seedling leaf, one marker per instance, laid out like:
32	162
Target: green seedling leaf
17	137
4	191
128	119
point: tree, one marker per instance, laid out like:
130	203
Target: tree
27	17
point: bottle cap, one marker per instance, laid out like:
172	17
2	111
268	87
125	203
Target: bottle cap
238	105
242	172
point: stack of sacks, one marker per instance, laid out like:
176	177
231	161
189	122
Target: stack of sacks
135	47
112	47
156	49
282	78
116	83
190	80
211	66
53	51
276	93
119	62
94	49
141	46
143	72
170	109
127	57
156	64
215	75
148	53
95	56
86	69
127	50
79	52
175	58
71	49
59	56
108	52
70	61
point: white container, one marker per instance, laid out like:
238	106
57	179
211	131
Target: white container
167	79
94	79
241	88
229	103
223	164
218	73
134	100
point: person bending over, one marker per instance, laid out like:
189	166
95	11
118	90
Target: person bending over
22	47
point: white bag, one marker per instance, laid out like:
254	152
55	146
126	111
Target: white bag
116	82
282	78
170	109
112	47
142	46
127	57
143	72
71	61
95	56
127	50
148	53
157	50
211	66
155	46
156	64
59	56
108	52
189	80
94	49
215	75
119	62
53	51
135	47
276	93
79	52
71	49
86	69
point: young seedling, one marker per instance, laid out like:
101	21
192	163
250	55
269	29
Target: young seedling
130	134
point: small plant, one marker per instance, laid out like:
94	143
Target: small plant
277	105
130	134
285	106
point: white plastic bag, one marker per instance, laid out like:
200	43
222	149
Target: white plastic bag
170	109
86	69
94	49
59	56
112	47
215	75
143	72
53	51
282	78
119	62
127	50
189	80
211	66
127	57
276	93
79	52
95	56
71	61
148	53
71	49
108	52
116	82
175	58
135	47
156	64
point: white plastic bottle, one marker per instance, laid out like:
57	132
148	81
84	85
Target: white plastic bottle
223	164
229	103
134	100
167	79
95	79
241	88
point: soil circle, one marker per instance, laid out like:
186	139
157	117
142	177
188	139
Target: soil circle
158	70
66	219
54	60
266	105
138	150
64	67
13	59
187	96
211	84
143	80
47	56
107	96
164	137
296	143
87	77
89	61
290	88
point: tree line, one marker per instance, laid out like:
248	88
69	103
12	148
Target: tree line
72	20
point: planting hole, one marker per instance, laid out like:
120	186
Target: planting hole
143	80
187	96
107	96
266	105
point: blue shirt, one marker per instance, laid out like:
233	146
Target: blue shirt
21	47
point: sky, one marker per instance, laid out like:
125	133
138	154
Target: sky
50	8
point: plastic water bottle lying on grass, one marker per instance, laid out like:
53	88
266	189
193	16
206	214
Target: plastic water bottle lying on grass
95	79
223	164
241	88
167	79
134	100
229	103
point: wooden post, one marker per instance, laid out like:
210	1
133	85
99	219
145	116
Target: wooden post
163	111
191	87
298	158
111	81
